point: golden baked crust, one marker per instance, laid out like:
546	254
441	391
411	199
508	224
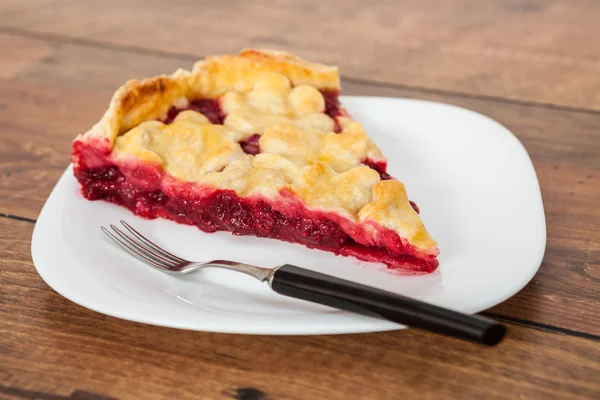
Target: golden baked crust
279	97
139	101
216	75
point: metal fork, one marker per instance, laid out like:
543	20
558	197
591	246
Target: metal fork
316	287
153	255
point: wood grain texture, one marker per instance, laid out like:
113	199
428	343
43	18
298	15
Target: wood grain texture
531	65
53	346
49	102
534	50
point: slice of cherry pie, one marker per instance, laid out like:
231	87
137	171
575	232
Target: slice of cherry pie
255	144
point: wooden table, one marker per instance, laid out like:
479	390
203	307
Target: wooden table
532	65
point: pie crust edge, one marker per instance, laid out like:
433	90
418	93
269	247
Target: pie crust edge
138	101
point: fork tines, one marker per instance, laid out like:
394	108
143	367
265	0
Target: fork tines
142	248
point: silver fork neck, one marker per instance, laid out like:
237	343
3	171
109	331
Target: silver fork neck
262	274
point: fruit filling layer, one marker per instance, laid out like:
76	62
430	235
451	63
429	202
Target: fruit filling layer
210	108
148	193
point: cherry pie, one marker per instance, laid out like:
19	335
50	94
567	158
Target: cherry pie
255	144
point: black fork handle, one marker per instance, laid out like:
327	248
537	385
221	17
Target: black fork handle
316	287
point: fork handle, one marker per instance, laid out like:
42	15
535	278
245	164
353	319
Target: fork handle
316	287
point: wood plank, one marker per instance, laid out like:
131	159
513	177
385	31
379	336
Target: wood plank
38	124
53	346
49	103
539	51
19	53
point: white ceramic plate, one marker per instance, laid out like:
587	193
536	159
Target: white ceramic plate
473	180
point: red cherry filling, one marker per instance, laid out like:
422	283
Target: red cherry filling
380	167
210	108
251	145
333	108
